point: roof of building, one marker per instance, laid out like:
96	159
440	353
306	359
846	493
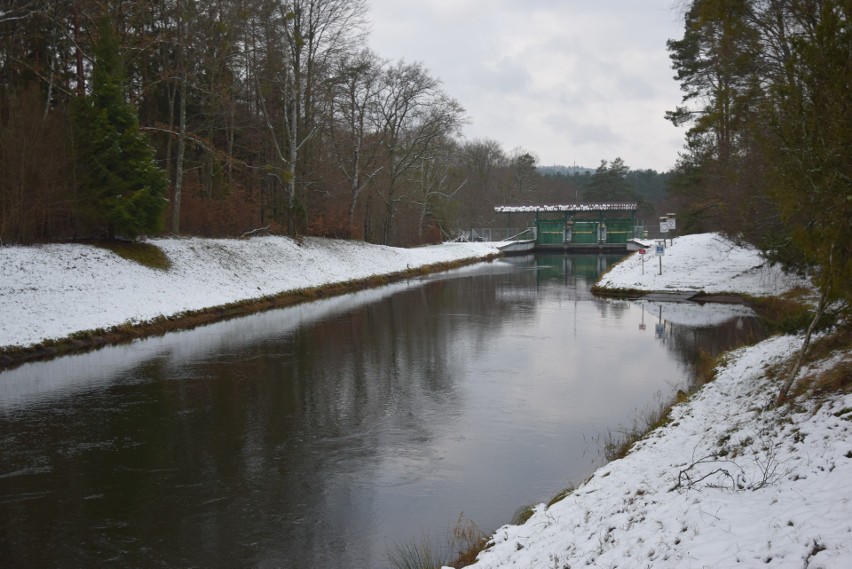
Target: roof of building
569	208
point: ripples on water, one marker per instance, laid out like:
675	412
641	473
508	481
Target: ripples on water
321	434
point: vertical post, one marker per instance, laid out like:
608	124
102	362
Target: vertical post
672	226
660	249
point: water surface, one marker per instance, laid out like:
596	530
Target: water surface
321	435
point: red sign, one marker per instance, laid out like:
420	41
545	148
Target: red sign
642	251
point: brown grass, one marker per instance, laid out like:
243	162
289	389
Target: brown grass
468	542
146	254
561	495
834	379
781	314
706	365
463	543
620	444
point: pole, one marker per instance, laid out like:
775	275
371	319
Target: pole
661	264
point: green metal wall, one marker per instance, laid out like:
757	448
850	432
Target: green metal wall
619	230
551	231
585	232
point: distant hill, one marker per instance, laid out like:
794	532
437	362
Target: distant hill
559	170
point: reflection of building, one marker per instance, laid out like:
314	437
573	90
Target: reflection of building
581	227
564	267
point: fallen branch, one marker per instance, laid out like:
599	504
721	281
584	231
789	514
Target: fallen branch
254	231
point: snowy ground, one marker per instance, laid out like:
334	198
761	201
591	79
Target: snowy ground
723	485
708	262
52	291
727	483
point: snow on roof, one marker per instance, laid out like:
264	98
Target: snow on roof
568	208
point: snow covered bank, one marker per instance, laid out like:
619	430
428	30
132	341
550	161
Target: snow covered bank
705	262
52	291
723	485
727	482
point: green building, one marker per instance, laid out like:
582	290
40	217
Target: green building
581	226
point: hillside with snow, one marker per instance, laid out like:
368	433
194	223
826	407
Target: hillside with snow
53	291
707	262
727	482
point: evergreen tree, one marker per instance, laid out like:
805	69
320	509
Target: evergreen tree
717	63
120	187
810	149
609	183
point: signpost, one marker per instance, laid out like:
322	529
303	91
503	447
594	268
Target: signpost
672	223
642	253
659	251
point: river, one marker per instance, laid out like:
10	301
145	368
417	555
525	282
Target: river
326	434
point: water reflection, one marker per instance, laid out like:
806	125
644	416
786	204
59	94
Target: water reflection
320	434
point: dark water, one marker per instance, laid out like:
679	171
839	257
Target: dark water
323	434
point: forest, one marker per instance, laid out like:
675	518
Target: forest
768	155
122	118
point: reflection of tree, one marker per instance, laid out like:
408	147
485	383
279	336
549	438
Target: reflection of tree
612	309
263	453
693	343
257	454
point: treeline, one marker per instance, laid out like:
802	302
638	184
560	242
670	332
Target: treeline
769	150
257	114
611	181
262	114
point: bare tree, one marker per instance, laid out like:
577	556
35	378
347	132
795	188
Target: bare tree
353	100
414	115
316	33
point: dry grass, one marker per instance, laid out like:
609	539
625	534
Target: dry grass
145	254
618	445
561	495
782	314
706	365
839	340
522	514
837	379
468	542
827	380
463	543
824	377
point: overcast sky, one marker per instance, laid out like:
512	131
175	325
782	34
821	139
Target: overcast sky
572	81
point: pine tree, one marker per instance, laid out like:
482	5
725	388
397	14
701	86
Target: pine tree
609	183
120	188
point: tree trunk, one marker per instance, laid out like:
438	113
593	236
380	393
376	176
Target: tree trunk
800	358
181	149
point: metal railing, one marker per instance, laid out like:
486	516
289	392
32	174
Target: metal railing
497	234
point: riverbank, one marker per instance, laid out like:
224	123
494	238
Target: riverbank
708	263
728	480
66	297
